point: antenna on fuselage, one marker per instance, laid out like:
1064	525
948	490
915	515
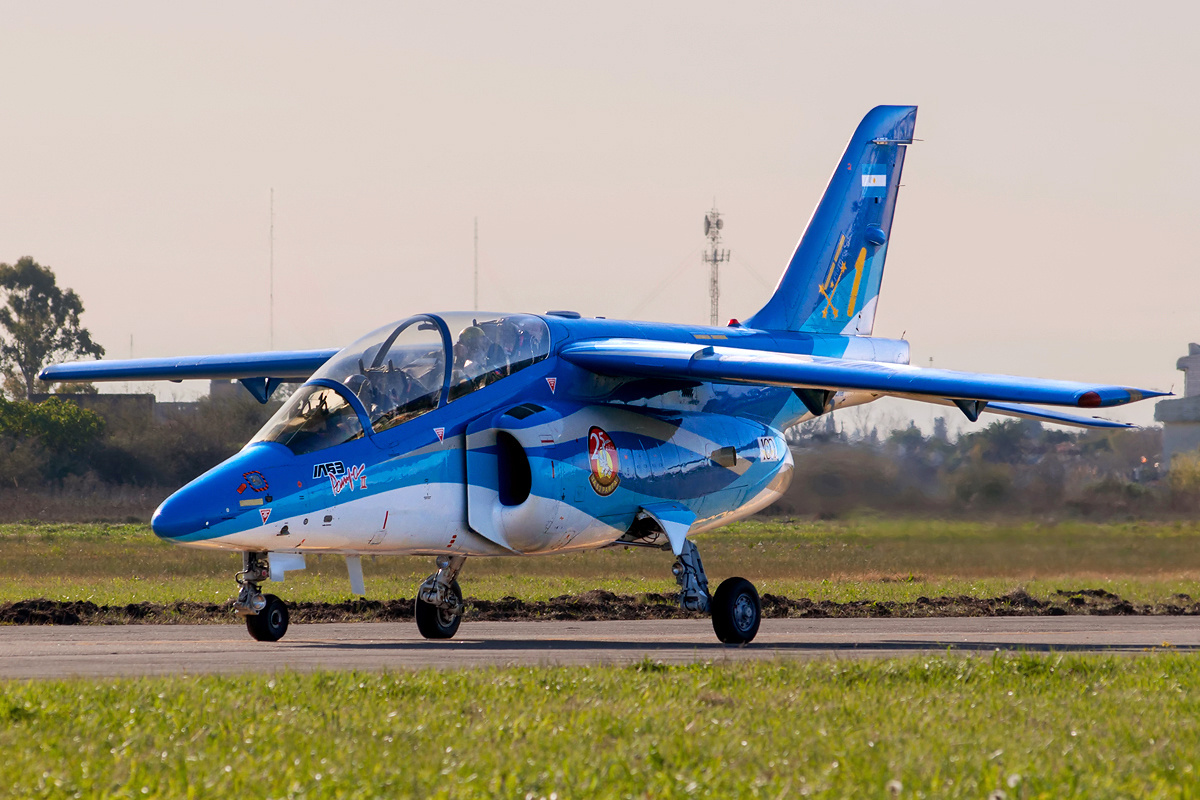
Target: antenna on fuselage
714	256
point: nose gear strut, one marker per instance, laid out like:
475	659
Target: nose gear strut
255	570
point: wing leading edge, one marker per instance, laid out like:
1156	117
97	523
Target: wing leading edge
259	372
642	358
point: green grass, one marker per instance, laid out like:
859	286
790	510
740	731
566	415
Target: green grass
871	559
862	560
1030	726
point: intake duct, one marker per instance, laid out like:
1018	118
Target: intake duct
514	476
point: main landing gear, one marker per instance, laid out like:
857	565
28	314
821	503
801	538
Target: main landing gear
266	615
439	600
735	608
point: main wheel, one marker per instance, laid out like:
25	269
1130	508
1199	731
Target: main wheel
438	623
270	624
736	611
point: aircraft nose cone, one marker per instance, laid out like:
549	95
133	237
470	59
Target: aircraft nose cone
213	498
179	515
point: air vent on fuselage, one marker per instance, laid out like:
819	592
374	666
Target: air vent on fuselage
512	467
524	410
725	456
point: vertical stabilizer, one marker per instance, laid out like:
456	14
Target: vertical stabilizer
832	283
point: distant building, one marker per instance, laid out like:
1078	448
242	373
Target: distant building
133	406
145	406
1181	417
226	390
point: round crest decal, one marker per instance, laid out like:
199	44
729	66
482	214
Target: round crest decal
602	456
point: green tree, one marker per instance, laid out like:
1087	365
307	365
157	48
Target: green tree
46	441
40	322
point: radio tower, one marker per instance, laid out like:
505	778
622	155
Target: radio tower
714	256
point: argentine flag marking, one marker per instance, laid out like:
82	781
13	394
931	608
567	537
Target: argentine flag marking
874	181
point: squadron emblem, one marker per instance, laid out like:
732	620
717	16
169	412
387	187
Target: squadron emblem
602	455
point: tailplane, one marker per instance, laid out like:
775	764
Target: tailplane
832	283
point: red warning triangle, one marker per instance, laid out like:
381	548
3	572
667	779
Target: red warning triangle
551	382
265	513
441	434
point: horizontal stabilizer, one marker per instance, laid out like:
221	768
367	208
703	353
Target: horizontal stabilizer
293	365
1027	412
1057	417
660	359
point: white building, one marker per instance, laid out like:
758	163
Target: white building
1181	416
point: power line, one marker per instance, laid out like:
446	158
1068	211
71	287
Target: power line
669	279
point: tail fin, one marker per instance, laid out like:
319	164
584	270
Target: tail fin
832	283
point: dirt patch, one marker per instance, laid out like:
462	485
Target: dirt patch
596	605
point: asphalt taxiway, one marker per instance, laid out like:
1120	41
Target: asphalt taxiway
102	650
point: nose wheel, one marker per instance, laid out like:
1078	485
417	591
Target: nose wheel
439	606
266	615
270	624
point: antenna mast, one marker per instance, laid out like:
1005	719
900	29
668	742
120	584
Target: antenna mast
714	256
271	279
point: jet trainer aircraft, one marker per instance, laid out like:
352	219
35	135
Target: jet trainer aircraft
475	434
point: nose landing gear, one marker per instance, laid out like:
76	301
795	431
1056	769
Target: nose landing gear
266	615
439	600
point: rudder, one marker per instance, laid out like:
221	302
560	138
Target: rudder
831	284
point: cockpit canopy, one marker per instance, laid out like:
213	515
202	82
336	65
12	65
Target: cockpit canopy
403	370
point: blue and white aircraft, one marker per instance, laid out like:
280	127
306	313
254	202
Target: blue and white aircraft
468	435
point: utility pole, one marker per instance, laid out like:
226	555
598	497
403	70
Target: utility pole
477	263
714	256
271	279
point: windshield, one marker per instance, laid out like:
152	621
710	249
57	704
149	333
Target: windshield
488	347
396	371
314	418
399	372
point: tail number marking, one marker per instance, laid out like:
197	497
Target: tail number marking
768	449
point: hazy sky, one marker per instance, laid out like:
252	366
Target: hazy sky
1044	227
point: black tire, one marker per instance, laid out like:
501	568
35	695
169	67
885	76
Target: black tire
270	624
435	623
736	611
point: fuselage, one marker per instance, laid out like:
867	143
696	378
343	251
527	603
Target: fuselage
468	435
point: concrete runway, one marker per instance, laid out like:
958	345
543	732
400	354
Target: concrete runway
101	651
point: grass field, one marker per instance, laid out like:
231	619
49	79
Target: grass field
1023	726
861	559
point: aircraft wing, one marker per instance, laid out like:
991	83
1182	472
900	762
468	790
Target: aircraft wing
659	359
293	365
